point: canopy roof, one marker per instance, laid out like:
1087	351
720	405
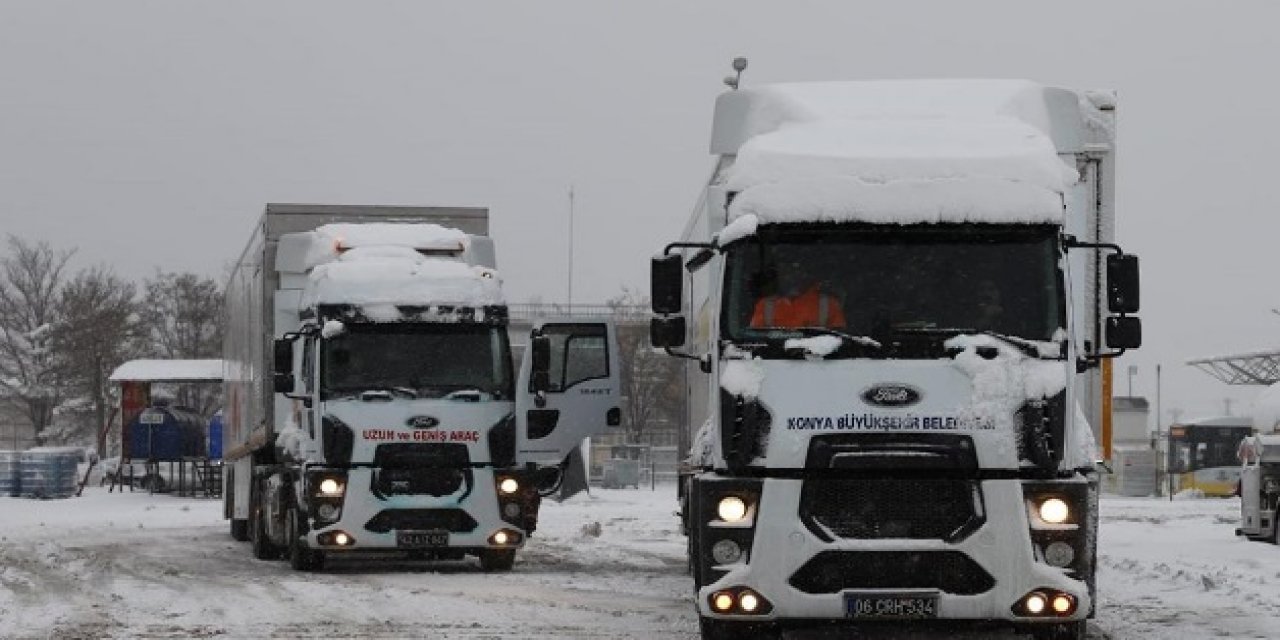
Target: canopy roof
168	371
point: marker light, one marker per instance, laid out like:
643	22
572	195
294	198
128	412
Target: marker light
1035	603
1062	603
722	601
731	509
330	487
748	601
1054	511
508	486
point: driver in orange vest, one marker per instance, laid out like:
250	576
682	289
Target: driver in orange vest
797	305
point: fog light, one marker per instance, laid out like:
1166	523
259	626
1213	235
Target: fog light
330	487
1062	604
731	509
501	537
726	552
722	601
327	512
748	601
511	510
1054	511
341	539
1059	554
508	486
1035	603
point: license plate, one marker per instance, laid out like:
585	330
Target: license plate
890	606
421	539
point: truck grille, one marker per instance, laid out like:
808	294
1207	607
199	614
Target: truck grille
878	508
455	520
948	571
409	482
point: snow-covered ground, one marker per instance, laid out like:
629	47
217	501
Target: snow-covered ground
134	565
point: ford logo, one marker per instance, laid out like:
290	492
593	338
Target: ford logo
422	422
891	395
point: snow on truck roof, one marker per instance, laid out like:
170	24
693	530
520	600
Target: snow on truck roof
902	151
385	275
168	371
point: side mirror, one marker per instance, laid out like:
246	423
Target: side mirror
666	283
282	357
667	332
283	382
1124	333
540	348
1122	283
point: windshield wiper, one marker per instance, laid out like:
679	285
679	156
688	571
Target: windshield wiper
357	390
809	332
1024	345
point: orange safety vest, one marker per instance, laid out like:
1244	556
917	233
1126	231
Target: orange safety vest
809	309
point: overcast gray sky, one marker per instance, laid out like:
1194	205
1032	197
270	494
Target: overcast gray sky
149	134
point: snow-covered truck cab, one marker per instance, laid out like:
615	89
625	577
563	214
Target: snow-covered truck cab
916	446
402	424
1260	488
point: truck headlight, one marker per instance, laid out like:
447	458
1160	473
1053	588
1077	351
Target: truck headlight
508	486
731	509
1054	511
331	487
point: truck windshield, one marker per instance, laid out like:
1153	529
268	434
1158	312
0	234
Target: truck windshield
459	361
880	287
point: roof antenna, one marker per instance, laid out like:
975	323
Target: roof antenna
739	65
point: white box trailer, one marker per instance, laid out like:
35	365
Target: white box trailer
893	297
372	401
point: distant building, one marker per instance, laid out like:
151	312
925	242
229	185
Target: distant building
1129	419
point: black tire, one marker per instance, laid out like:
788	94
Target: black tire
263	548
1065	631
239	529
301	557
497	559
713	629
1275	526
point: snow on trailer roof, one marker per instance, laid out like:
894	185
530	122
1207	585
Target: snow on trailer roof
900	151
168	371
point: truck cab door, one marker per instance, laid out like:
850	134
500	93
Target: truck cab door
580	395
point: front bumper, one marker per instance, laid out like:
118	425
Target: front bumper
1001	547
471	518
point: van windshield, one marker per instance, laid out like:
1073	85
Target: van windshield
465	361
893	285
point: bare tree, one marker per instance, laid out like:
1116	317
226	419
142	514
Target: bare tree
31	276
182	318
650	380
98	331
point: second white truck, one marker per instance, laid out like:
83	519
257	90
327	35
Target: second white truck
372	401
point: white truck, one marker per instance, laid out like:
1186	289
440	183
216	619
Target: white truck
1260	488
893	297
372	404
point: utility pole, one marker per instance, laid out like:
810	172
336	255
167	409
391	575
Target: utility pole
1133	370
570	249
1227	402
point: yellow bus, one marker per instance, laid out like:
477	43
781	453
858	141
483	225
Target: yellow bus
1202	454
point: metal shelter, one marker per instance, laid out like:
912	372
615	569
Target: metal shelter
135	378
1260	368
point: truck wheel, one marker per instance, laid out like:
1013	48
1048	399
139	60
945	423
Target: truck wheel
1066	631
239	529
263	549
713	629
301	557
497	559
1275	526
